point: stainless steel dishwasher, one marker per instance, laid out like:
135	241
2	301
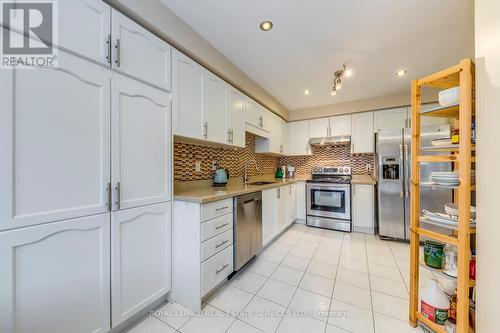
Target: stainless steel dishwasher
247	228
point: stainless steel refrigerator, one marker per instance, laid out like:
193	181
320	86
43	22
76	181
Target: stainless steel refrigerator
393	154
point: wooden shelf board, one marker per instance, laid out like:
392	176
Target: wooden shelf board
438	236
440	272
453	148
447	78
433	326
424	220
436	158
452	111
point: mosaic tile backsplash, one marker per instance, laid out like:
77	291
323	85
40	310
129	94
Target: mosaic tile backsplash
186	155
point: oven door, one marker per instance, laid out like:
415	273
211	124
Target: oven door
329	200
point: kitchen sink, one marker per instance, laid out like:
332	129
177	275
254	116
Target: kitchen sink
261	183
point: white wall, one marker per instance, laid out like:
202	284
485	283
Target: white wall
487	30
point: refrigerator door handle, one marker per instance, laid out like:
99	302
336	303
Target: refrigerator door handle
401	193
407	177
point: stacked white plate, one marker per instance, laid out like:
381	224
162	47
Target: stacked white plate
444	220
444	178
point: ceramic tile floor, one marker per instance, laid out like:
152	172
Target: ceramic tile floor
308	280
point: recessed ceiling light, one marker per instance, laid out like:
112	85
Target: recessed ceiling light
266	25
307	92
348	72
401	72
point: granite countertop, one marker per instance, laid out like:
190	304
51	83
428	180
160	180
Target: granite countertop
363	179
203	191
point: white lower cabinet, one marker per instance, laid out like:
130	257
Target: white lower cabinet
278	211
363	215
140	258
300	208
202	249
56	277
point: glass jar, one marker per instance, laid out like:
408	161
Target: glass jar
450	259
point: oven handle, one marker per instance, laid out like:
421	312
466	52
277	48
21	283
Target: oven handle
332	186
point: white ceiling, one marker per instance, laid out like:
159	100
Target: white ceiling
313	38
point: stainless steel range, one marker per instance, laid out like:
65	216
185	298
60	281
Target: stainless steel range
329	198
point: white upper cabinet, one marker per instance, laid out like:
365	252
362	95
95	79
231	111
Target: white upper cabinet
188	99
319	127
215	101
258	119
85	27
140	258
275	143
390	119
141	143
362	138
235	120
298	138
139	53
55	142
340	125
284	137
56	277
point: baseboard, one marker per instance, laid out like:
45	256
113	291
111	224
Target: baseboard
128	324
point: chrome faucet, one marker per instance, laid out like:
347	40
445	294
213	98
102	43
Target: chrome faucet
245	175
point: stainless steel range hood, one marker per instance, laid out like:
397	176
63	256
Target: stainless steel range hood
330	141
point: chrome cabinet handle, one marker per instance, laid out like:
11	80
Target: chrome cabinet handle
109	47
221	226
221	269
228	139
221	208
221	243
109	199
118	53
205	129
118	189
232	135
278	191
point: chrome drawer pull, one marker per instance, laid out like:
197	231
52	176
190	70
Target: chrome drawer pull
222	243
221	269
221	226
221	208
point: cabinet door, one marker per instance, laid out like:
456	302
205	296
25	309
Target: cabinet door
301	201
340	125
91	41
188	98
139	53
389	119
55	277
298	138
236	117
319	127
55	148
362	139
284	137
282	208
268	119
140	258
292	203
216	109
141	143
363	214
253	113
269	203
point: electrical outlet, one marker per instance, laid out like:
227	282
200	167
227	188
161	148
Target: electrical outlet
197	167
215	163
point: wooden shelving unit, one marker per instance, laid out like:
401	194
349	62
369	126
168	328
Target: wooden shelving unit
461	75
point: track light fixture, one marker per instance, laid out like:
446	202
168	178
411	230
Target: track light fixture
337	81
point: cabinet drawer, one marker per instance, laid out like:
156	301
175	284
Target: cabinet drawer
216	244
215	209
216	226
216	269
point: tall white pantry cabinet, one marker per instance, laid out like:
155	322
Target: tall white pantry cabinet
86	185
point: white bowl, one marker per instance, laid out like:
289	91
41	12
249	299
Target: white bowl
449	96
452	209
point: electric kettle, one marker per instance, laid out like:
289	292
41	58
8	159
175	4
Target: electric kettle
220	177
